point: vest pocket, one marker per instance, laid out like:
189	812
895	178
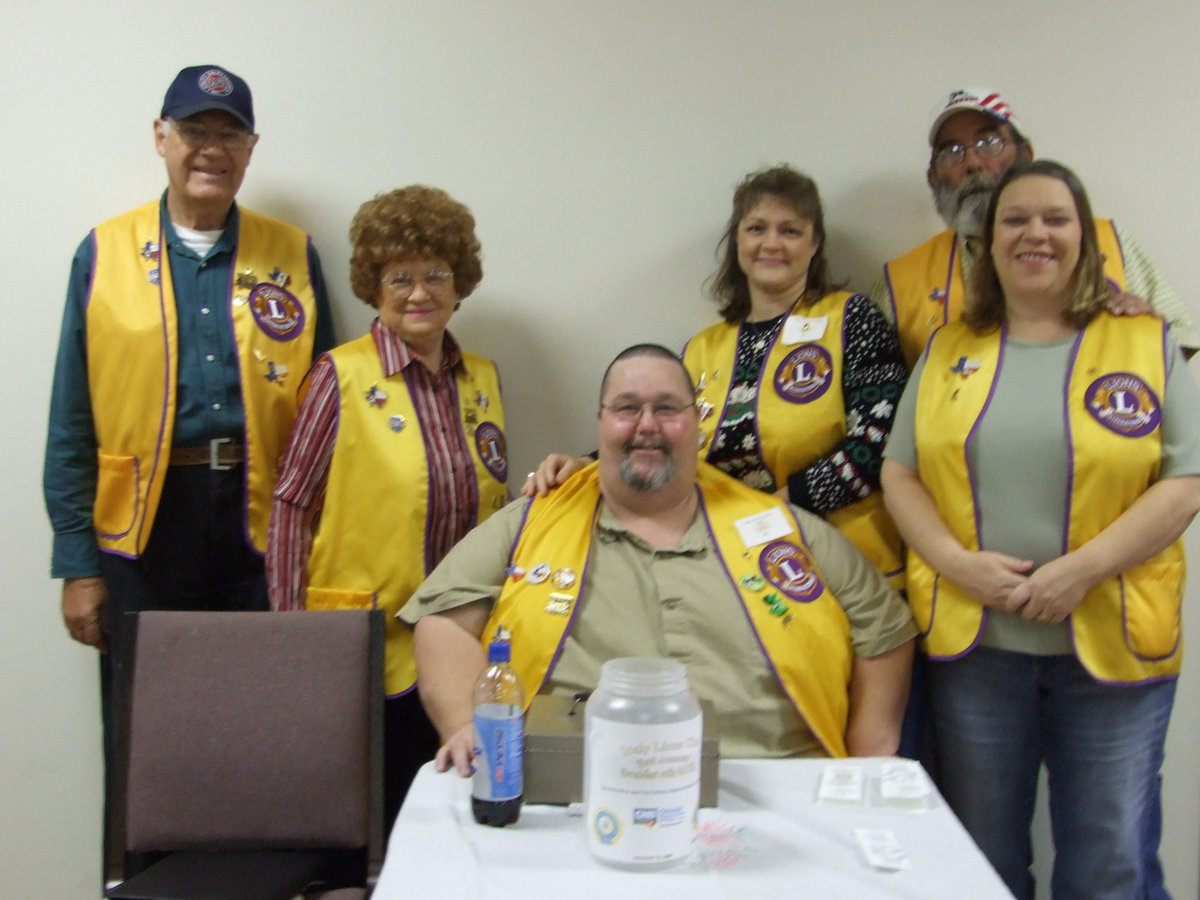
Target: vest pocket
922	588
116	506
337	598
1152	599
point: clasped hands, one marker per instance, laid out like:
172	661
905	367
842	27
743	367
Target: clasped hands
1047	594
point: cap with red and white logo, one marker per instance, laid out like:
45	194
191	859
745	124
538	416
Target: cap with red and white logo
200	88
977	99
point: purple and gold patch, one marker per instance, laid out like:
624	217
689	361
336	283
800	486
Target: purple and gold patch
1124	404
489	442
805	374
790	568
277	312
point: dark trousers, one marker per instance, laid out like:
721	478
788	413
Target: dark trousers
409	741
197	558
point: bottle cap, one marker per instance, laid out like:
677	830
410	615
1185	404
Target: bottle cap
500	649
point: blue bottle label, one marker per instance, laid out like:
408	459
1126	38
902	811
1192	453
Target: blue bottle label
499	746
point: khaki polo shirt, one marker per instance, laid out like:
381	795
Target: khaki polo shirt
678	603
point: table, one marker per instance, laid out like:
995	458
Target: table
767	838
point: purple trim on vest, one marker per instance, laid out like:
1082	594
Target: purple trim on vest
950	280
971	479
758	385
1154	679
554	657
167	386
937	579
887	280
95	261
472	473
741	601
240	360
1070	486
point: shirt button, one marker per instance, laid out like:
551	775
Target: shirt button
216	406
204	310
210	357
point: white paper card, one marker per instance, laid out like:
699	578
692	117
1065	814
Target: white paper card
902	781
802	329
841	783
882	849
762	527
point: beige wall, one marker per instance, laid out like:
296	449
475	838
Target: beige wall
597	143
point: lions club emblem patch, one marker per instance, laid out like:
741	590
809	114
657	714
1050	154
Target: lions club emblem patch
790	568
805	374
1124	404
277	312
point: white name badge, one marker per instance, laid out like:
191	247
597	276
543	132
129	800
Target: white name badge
802	329
841	782
882	849
762	527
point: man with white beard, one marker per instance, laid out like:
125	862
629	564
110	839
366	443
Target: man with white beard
974	139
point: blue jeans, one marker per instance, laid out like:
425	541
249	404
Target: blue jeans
998	716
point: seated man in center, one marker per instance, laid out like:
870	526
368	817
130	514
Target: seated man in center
796	640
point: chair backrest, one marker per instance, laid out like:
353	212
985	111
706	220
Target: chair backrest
254	730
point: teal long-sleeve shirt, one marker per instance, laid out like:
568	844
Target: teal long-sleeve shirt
208	393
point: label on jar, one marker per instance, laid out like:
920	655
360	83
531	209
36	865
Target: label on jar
643	790
499	740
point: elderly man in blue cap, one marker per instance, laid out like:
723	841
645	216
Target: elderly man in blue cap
189	322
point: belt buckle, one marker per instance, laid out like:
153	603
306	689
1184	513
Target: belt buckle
214	454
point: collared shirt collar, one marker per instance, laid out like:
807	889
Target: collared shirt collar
695	540
225	243
972	247
395	355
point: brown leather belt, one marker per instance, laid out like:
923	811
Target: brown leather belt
220	453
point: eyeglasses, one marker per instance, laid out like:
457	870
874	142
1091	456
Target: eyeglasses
954	155
198	137
436	281
628	412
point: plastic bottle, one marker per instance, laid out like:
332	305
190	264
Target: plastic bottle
497	788
642	764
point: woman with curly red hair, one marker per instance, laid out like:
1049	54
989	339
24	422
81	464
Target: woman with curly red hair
398	449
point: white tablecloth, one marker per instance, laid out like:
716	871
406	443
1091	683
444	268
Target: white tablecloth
767	838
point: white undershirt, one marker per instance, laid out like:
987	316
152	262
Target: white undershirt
199	242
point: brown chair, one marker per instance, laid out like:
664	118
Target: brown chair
249	763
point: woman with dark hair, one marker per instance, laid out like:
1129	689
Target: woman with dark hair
398	449
798	385
1044	462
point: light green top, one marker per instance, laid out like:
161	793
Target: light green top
1019	462
678	603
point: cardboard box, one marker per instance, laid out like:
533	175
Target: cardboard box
554	751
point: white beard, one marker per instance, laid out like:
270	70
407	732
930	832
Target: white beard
964	208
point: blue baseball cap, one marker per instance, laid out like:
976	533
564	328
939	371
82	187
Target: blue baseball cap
197	89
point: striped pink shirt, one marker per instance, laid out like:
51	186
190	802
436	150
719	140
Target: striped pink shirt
300	492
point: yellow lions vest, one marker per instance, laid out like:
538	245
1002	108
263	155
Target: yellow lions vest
132	340
1127	628
800	415
369	549
926	285
799	624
